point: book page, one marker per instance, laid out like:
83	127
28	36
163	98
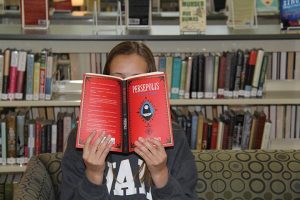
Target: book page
101	109
148	109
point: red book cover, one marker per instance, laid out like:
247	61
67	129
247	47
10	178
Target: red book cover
214	134
221	76
38	137
33	12
126	109
12	84
62	5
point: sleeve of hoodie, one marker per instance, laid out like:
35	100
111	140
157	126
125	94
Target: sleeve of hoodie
182	171
75	184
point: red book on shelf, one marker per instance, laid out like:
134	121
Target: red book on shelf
214	134
34	13
127	109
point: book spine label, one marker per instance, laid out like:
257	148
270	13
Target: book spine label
125	118
21	74
29	76
43	67
12	86
11	139
49	70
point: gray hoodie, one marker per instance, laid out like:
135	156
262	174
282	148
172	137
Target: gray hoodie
119	181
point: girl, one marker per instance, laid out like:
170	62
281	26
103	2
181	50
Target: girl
151	172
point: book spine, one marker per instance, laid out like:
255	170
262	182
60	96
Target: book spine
169	69
232	74
221	78
11	139
31	139
37	138
183	79
257	71
42	76
194	77
262	75
239	67
1	72
200	76
209	77
176	75
60	127
3	140
125	118
29	76
243	74
67	120
188	78
36	79
216	73
162	64
4	95
220	135
12	84
48	137
20	134
214	134
21	74
227	93
194	131
49	71
43	138
249	73
54	138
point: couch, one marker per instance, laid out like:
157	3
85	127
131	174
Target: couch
222	174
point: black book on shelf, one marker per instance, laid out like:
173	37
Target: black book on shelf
194	78
201	74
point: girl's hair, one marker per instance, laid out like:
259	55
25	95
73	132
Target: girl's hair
128	48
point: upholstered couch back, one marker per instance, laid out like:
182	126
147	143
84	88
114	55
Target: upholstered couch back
224	174
251	174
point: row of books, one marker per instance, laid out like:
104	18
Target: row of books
26	75
213	127
22	137
8	184
226	75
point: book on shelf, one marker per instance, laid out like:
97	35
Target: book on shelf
35	14
289	14
127	109
267	6
192	15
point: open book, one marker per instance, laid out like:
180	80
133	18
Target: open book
127	109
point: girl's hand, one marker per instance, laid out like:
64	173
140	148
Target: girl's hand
155	156
94	155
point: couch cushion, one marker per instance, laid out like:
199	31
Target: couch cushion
251	174
35	183
52	162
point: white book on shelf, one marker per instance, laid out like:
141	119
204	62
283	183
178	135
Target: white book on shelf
280	121
274	65
273	120
288	113
31	138
53	138
293	121
298	123
220	135
266	135
257	71
283	59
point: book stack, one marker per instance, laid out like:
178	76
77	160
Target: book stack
234	74
8	184
19	68
30	131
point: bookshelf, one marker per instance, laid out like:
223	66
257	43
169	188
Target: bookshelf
161	39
